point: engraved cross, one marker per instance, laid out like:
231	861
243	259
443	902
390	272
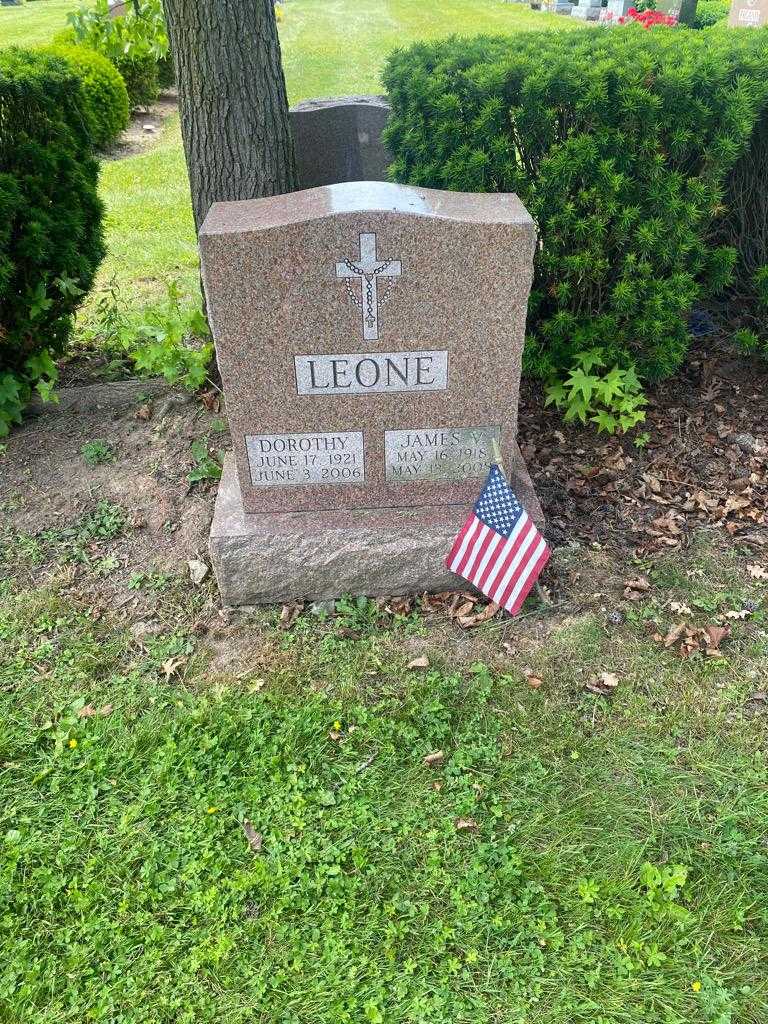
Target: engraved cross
368	269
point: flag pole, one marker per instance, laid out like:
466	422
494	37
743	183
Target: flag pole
498	461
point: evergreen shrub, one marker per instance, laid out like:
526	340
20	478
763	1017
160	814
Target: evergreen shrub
50	219
104	88
710	12
619	143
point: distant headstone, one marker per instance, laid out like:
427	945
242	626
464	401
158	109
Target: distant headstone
587	9
683	10
340	139
369	338
616	9
748	13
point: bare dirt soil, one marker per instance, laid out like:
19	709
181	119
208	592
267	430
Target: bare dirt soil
144	128
148	429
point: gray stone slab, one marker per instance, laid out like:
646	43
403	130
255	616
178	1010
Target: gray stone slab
340	139
265	559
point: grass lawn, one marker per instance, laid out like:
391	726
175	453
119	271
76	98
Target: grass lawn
570	860
34	22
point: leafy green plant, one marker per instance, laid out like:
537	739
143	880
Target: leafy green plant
206	463
613	400
619	144
104	89
137	44
38	374
169	338
755	340
50	221
97	452
164	342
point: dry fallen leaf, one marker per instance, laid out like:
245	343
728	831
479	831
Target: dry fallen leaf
634	589
690	642
757	572
106	710
468	621
466	825
534	681
288	615
744	613
443	601
335	735
86	712
679	608
435	759
172	665
399	605
255	839
603	684
715	635
674	634
422	662
464	609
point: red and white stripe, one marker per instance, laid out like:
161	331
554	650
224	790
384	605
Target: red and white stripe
504	569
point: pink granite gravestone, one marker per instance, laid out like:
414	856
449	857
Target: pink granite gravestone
369	338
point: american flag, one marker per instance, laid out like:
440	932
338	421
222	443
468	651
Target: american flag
498	549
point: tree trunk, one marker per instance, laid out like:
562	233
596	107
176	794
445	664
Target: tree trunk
234	106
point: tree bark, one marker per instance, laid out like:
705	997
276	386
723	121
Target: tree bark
234	106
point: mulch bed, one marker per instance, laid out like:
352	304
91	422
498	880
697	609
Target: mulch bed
705	464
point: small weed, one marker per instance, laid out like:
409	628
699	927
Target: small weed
78	543
97	452
206	465
613	399
168	338
148	581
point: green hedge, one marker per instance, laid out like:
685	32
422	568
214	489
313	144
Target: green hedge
50	218
618	142
139	71
710	12
104	88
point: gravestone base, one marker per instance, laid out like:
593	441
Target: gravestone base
317	556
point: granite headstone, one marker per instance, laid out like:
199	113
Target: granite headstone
748	13
683	10
340	139
589	10
369	338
